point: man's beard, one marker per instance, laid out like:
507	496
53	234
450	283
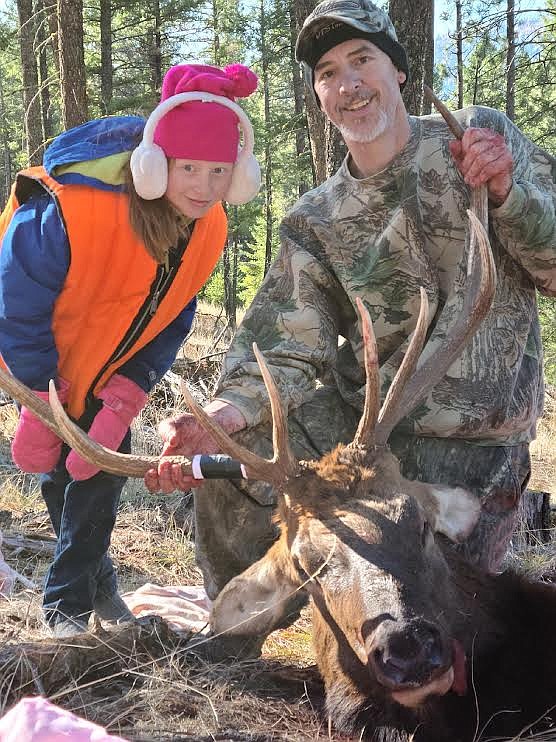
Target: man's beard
382	119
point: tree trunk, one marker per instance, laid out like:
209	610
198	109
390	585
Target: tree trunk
316	122
510	60
336	149
72	62
459	52
232	320
229	282
31	97
428	75
54	37
216	31
327	144
315	119
301	131
7	155
44	88
106	73
414	24
155	51
268	142
534	525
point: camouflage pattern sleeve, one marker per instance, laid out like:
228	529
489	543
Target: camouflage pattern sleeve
295	319
526	222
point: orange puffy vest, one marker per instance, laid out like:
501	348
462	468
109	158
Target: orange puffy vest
109	279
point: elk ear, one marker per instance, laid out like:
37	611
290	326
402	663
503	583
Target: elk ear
453	511
256	601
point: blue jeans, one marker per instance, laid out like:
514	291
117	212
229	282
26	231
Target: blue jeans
83	516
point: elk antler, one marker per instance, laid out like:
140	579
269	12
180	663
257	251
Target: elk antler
477	302
402	398
479	196
65	428
282	465
364	435
26	398
372	420
106	460
391	402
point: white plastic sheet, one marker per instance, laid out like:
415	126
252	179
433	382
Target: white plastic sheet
185	608
38	720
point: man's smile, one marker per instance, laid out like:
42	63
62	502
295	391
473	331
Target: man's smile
358	105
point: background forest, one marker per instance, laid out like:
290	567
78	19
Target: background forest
64	62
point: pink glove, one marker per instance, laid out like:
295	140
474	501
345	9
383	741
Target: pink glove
123	400
36	448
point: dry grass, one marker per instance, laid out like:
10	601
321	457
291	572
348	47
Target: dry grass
172	693
543	449
148	685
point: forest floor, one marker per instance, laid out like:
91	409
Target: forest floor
152	686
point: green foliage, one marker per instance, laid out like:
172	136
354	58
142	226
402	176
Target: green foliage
213	290
252	267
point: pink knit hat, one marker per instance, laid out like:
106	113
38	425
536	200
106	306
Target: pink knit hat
198	130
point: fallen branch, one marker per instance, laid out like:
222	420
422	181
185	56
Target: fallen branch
188	362
39	545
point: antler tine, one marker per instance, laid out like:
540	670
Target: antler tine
477	303
256	467
390	406
365	434
454	125
479	195
283	455
27	398
122	464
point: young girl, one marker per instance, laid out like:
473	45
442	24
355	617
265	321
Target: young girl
101	259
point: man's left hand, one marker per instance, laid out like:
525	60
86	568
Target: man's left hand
482	156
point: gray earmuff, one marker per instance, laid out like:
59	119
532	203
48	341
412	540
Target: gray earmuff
149	166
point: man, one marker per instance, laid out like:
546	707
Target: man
392	219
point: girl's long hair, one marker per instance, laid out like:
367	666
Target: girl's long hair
157	223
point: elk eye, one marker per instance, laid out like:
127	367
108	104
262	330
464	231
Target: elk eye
300	571
426	534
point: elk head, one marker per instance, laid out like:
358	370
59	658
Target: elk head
355	535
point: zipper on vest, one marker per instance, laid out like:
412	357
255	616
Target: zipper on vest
163	280
159	287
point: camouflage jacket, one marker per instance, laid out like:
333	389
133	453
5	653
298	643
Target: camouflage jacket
383	237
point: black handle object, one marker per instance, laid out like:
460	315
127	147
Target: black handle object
217	466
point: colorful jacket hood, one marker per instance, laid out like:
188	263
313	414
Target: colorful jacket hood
95	153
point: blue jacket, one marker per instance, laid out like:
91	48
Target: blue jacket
34	261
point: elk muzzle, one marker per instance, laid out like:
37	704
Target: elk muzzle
411	659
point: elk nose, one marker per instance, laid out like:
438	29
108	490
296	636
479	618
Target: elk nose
407	655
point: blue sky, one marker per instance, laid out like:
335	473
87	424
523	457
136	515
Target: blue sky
442	6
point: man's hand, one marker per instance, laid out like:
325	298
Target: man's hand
482	156
184	436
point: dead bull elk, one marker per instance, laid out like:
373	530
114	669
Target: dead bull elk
412	642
